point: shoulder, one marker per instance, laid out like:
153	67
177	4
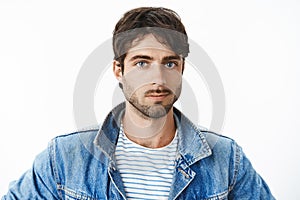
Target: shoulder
79	139
83	132
220	144
75	147
225	151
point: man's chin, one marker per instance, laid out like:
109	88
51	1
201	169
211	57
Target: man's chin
157	111
154	111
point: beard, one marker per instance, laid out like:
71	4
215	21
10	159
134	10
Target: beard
156	110
151	111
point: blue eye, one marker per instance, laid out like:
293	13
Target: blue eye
170	65
141	64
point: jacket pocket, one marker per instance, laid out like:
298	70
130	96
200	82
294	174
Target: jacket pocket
197	195
70	194
221	196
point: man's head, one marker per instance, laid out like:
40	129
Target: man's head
163	23
150	45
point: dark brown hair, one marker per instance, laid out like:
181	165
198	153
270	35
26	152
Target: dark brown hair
165	24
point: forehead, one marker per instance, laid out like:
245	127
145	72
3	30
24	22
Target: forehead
149	43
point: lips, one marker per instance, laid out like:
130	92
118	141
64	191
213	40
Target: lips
157	96
157	92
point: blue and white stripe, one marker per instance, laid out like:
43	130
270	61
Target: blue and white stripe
146	173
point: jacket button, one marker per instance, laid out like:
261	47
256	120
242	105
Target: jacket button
184	173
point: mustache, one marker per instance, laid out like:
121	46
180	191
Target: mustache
158	91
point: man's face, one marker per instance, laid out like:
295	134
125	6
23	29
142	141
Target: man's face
152	77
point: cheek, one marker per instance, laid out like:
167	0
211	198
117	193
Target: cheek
130	91
174	82
178	91
127	89
136	78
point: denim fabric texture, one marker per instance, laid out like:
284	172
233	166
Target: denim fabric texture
82	166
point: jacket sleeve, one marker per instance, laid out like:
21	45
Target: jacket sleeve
247	183
36	183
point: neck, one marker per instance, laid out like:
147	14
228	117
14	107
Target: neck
146	131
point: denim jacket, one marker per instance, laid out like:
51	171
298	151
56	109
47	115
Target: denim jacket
82	166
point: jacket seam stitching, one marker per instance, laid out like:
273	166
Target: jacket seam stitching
218	196
53	163
237	166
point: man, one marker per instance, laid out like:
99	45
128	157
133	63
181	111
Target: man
145	148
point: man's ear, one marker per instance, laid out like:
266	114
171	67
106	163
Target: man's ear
117	69
182	67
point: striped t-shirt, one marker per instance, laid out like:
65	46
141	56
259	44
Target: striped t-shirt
146	173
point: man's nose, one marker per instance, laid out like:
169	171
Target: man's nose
158	75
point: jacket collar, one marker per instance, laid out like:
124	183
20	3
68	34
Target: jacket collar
192	144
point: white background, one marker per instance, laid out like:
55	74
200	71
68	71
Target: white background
254	45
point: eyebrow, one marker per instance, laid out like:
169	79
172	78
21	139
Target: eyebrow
167	58
141	57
